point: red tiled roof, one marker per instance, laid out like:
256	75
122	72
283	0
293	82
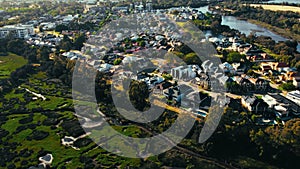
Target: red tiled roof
282	64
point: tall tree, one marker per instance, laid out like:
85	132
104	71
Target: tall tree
138	94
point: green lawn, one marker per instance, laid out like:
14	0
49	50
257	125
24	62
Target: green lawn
63	156
51	104
10	63
51	143
13	122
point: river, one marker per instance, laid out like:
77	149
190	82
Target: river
247	27
289	1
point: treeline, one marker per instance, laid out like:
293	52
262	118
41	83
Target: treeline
26	13
38	54
163	4
277	145
261	2
57	67
74	26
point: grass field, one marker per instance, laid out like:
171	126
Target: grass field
277	7
10	63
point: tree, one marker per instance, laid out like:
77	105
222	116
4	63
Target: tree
234	57
192	58
117	61
60	28
260	139
167	77
41	29
282	143
78	43
287	86
175	12
43	53
138	94
66	43
297	65
233	87
16	46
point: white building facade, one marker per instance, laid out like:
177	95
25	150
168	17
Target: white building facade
17	31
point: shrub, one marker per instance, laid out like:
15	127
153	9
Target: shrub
287	86
26	120
39	135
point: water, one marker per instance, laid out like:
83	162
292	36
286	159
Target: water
203	9
247	28
289	1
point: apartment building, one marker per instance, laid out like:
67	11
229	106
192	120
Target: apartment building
17	31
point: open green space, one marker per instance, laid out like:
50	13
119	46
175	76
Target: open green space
10	63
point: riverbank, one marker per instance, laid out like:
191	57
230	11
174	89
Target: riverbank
277	7
283	32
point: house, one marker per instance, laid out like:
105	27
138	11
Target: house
120	9
161	87
191	100
265	67
273	72
244	47
290	76
68	18
254	104
203	80
280	108
280	66
296	81
259	84
173	94
129	59
183	72
244	82
225	79
294	96
256	55
293	107
252	51
149	6
105	67
72	54
209	67
295	77
239	68
227	68
153	81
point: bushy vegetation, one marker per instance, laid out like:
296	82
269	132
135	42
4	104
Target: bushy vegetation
287	86
235	57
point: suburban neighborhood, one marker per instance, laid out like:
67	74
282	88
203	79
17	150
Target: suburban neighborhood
235	76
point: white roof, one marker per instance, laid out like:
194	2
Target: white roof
269	100
280	108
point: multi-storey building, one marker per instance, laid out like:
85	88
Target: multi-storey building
16	31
